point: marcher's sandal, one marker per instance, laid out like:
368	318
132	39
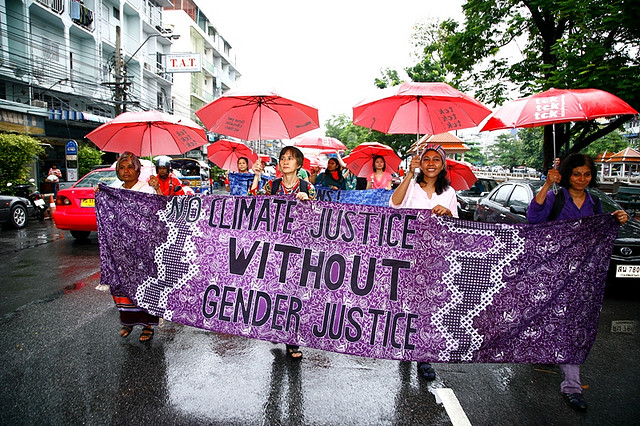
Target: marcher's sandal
147	334
426	370
125	331
575	401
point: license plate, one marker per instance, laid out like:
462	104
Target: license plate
39	203
623	326
88	202
628	271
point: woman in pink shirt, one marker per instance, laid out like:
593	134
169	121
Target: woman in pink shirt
379	179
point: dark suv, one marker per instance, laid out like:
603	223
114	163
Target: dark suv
509	201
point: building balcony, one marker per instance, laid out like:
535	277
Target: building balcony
55	5
81	15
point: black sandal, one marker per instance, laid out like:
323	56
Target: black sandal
125	331
293	352
147	334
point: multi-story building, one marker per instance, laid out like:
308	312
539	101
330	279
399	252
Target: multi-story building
198	35
59	71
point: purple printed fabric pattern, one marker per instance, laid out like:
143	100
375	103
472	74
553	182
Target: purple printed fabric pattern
360	279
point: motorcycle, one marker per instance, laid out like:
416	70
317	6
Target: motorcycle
24	190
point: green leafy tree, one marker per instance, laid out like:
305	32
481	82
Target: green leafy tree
16	152
506	151
475	155
613	142
562	44
87	158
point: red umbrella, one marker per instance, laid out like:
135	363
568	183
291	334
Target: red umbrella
460	175
147	132
420	108
318	142
360	161
225	154
557	106
253	115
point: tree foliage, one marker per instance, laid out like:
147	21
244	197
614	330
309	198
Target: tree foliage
562	44
16	152
88	157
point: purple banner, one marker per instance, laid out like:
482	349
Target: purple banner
356	279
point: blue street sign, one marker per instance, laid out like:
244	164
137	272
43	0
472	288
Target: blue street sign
71	148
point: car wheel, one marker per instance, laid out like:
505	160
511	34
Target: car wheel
80	235
18	216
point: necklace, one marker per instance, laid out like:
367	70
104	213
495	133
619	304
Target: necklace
293	185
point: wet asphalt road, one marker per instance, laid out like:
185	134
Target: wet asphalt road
62	362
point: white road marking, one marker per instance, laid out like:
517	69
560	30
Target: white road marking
451	404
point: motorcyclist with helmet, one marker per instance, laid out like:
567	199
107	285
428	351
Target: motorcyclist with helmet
165	182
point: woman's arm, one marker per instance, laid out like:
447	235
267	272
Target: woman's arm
552	177
257	172
398	195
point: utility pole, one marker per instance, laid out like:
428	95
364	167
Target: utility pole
120	89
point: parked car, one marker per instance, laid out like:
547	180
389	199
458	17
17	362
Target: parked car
468	199
509	201
15	211
75	206
395	180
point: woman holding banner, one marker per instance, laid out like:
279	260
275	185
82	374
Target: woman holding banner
429	190
291	161
243	167
128	169
572	201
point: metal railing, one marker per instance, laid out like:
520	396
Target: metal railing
56	5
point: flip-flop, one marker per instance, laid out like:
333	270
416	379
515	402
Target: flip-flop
293	352
125	331
146	335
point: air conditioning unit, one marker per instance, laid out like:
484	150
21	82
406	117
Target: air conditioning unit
147	66
39	103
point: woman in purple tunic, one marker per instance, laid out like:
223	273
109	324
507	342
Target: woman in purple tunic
575	174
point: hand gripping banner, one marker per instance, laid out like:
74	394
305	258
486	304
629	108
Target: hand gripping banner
364	280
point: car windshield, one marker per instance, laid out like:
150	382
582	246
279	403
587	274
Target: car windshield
108	177
479	187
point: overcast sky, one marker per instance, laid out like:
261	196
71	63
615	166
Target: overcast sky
325	53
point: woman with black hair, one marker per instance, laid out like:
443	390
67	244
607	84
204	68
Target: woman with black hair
572	201
291	160
332	177
429	190
380	178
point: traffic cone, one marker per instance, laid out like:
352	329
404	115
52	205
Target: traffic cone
52	206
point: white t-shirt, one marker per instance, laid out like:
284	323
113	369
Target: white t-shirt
142	187
416	198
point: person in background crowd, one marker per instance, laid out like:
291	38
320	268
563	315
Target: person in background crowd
575	174
332	177
291	160
54	176
380	178
243	167
429	190
165	183
128	169
188	190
